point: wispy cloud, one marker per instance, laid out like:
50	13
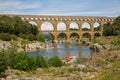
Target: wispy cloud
61	7
16	6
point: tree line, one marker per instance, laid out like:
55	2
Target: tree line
13	27
112	29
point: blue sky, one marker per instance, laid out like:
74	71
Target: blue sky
61	7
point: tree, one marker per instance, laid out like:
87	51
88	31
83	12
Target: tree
107	30
112	29
97	28
116	25
40	37
16	26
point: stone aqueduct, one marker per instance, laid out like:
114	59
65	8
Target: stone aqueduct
54	20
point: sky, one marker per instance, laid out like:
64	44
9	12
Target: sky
110	8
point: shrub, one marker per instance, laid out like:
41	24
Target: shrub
5	36
55	61
22	35
41	61
13	37
40	37
31	37
3	66
31	64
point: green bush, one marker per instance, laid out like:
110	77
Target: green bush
22	35
31	37
41	62
40	37
11	58
3	66
55	61
13	37
5	36
31	64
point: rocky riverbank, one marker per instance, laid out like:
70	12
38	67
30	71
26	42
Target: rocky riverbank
90	69
27	47
99	66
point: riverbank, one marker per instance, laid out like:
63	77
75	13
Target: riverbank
26	46
99	66
96	67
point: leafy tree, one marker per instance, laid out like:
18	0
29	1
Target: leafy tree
108	29
16	26
116	25
97	28
40	37
112	29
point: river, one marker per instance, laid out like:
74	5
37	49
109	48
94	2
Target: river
63	51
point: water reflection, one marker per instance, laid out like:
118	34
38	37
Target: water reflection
64	50
68	54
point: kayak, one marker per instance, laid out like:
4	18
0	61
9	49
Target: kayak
68	59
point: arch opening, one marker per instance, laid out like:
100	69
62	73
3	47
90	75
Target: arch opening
74	37
61	26
86	26
47	26
86	36
74	27
62	37
96	35
48	36
96	26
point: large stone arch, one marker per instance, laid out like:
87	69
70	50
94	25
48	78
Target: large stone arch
62	36
47	26
74	36
74	26
49	34
86	26
86	36
61	26
97	26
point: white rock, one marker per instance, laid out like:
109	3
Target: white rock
9	78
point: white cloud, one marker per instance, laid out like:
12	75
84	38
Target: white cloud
59	7
16	6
